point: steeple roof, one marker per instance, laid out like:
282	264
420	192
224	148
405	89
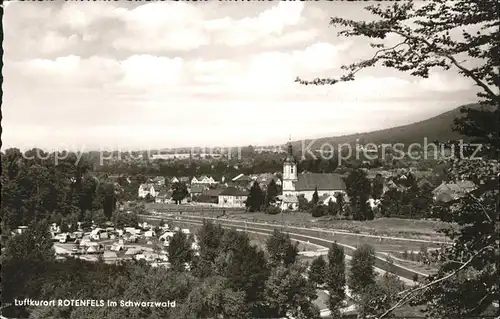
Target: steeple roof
290	159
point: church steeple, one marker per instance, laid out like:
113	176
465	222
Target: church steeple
289	170
289	157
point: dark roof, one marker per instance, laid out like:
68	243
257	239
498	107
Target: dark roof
310	181
458	187
233	191
164	194
444	197
212	192
290	159
197	189
424	182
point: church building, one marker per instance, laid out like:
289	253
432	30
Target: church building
295	184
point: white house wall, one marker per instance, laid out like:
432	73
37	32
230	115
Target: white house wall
309	194
232	201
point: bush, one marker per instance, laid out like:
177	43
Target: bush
318	211
273	210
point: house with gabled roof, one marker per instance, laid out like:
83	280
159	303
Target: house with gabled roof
452	191
206	180
174	180
233	197
159	180
196	190
163	197
146	189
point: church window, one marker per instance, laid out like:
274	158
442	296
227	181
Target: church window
291	169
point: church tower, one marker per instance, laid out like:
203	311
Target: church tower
289	172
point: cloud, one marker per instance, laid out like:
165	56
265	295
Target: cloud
273	21
162	26
136	72
440	82
148	70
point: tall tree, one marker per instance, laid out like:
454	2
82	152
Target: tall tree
377	187
281	249
179	251
255	198
215	299
392	203
340	201
358	189
245	266
335	279
362	269
179	192
271	193
315	197
209	239
288	294
332	208
33	249
317	271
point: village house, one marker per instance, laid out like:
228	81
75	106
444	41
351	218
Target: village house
451	191
232	197
146	189
242	181
204	180
265	179
163	197
159	180
210	196
306	184
196	190
174	180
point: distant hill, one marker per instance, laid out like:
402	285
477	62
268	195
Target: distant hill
438	128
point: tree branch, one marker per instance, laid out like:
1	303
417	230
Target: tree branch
482	207
410	295
449	57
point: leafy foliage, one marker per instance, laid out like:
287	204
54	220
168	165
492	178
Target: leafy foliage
214	299
317	271
255	199
179	192
315	197
335	280
362	272
289	294
358	189
271	193
179	251
281	249
429	42
447	34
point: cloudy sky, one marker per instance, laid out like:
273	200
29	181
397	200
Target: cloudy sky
169	74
